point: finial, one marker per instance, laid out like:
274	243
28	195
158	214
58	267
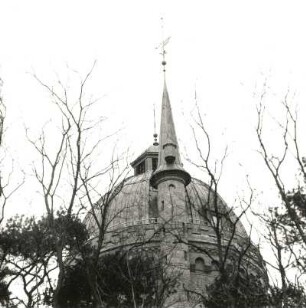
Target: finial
155	140
162	45
155	134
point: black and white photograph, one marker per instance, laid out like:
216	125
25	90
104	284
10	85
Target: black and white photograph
152	154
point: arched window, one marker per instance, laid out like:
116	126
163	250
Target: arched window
140	168
199	265
172	199
162	205
185	255
154	163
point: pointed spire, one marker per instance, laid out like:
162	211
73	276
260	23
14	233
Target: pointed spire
169	152
169	161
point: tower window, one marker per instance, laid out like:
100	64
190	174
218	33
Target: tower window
140	168
199	265
154	164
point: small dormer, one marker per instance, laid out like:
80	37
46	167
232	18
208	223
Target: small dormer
148	160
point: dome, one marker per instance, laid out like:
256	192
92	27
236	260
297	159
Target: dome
133	222
134	202
180	219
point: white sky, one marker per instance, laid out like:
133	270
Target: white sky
226	49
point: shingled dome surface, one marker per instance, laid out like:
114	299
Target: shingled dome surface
134	202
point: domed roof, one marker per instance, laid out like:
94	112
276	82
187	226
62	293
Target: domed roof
135	202
152	149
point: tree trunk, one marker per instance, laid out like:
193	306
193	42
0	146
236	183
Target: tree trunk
61	275
93	283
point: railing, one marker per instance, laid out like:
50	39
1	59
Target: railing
147	221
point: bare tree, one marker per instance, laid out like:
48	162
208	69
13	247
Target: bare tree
286	222
7	189
237	262
98	219
2	112
283	289
2	117
70	173
275	163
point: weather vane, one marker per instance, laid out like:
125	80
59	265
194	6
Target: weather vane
163	44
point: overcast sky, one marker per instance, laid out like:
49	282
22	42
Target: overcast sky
223	49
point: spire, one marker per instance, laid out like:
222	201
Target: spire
169	152
169	161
